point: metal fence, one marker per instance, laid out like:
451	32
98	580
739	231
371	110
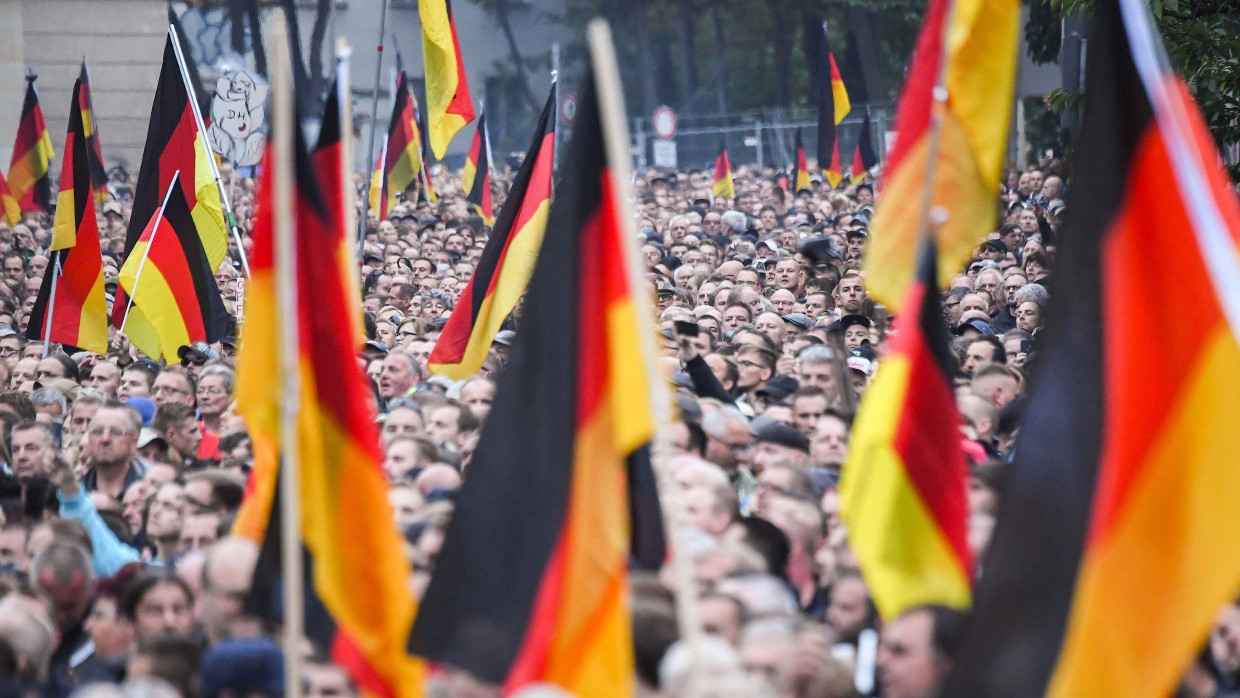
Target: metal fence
759	138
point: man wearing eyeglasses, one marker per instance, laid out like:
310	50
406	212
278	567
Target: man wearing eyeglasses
112	451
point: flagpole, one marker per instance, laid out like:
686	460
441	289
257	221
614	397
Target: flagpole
928	219
283	123
619	160
137	277
51	304
374	126
555	119
230	218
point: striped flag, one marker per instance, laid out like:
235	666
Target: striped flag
832	97
864	159
173	144
506	263
378	185
801	181
77	309
979	77
98	173
1116	544
447	92
359	608
722	187
30	178
476	177
903	489
171	284
10	210
531	585
402	160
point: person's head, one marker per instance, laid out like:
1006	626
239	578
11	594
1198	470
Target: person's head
176	424
916	651
808	404
728	441
158	603
113	435
214	391
404	418
755	366
850	609
213	490
996	383
111	633
828	446
1029	316
63	571
850	293
27	629
32	448
226	577
816	366
164	512
477	394
136	381
984	349
450	424
173	384
105	377
323	679
779	443
400	373
710	509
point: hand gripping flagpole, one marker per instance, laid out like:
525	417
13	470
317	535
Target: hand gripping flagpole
283	123
619	161
137	277
229	218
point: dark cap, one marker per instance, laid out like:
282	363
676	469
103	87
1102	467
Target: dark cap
197	353
976	323
374	345
784	435
243	666
779	387
800	320
995	246
850	320
821	250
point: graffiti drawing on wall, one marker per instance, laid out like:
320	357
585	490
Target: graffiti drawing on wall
239	119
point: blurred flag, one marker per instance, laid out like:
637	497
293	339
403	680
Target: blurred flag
722	188
447	92
1115	547
10	210
378	185
476	177
30	178
903	490
968	162
98	173
802	175
531	585
506	263
173	144
864	159
76	309
359	607
402	161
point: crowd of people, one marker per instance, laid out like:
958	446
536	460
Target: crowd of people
122	475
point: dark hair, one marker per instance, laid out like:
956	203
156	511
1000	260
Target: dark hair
769	541
1000	356
138	587
21	404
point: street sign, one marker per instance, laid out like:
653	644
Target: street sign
665	154
664	123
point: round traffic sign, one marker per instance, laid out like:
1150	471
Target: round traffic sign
665	123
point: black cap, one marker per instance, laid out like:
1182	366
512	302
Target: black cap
850	320
995	246
779	387
784	435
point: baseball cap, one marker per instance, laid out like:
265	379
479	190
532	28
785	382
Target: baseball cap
783	435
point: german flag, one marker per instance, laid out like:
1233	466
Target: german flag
968	162
831	95
903	491
531	585
802	168
10	210
378	185
864	159
30	178
476	178
173	144
427	192
359	608
75	308
506	263
1116	545
447	92
402	160
98	173
722	188
171	284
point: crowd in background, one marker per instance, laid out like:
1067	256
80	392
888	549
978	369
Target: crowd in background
121	476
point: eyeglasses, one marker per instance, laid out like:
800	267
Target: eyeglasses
45	374
168	389
110	431
749	364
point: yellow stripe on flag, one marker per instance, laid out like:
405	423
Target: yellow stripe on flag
64	226
157	303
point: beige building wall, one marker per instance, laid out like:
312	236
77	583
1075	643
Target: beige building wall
122	41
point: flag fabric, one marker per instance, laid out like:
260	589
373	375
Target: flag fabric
173	144
476	177
1119	523
77	309
839	93
723	187
10	210
801	181
98	173
448	102
402	162
531	585
507	260
427	191
979	79
903	489
831	96
864	159
378	185
171	283
359	605
834	171
30	178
